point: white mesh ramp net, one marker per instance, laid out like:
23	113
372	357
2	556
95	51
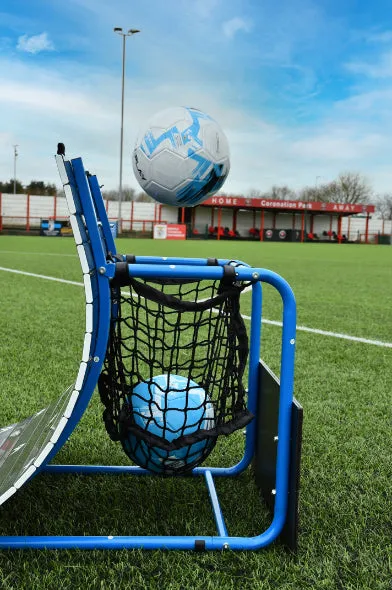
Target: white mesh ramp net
29	444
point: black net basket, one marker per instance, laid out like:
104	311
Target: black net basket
172	381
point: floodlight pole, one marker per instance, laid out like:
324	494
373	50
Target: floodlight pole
131	32
15	156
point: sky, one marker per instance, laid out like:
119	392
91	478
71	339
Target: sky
302	88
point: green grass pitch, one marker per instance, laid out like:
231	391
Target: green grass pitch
344	386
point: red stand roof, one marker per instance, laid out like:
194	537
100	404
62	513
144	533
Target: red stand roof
287	206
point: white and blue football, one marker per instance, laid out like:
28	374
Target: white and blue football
181	157
170	407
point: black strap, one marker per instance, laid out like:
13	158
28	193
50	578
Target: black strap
152	294
121	277
127	426
228	279
200	545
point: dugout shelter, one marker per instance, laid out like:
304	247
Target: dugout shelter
276	220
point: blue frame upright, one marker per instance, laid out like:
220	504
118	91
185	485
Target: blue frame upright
88	203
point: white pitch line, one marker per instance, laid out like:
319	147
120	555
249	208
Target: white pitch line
32	274
38	253
246	317
326	333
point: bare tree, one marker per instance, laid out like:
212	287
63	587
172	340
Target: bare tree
282	193
128	194
384	205
278	193
254	193
110	195
313	193
350	187
143	197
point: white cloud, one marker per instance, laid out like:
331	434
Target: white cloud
334	145
376	102
205	8
384	37
234	25
50	101
35	43
80	105
380	69
42	108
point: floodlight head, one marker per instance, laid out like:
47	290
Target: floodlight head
117	29
133	31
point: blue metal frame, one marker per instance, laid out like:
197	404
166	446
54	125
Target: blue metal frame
101	298
146	267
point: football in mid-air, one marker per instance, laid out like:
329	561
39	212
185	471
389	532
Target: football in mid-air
169	407
181	157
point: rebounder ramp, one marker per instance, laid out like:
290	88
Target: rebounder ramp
26	447
272	417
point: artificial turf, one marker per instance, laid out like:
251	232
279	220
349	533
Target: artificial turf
344	387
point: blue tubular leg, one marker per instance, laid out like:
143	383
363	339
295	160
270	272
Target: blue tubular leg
219	520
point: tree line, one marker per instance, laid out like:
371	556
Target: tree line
35	187
128	194
38	187
348	187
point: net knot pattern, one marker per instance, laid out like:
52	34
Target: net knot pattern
186	329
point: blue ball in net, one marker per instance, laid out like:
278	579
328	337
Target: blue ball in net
170	406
